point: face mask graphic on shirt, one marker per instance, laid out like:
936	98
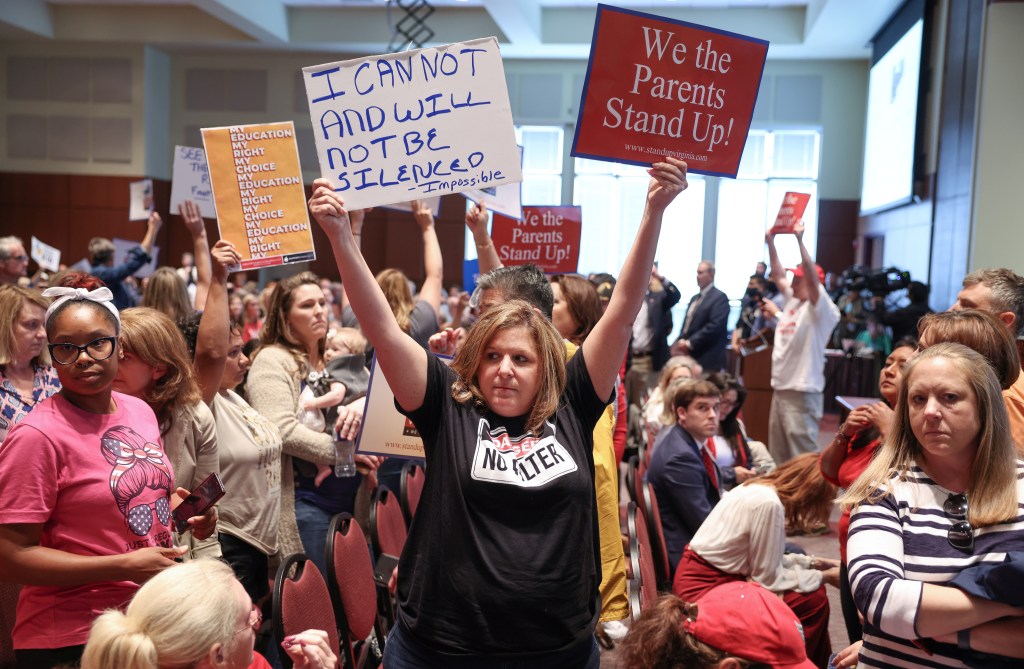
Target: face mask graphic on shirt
527	462
139	473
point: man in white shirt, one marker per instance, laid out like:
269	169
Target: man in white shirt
805	324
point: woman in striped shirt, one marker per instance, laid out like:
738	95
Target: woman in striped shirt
943	494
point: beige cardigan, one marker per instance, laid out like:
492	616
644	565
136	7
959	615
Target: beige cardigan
273	388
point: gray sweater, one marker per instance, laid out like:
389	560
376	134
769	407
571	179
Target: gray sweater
273	388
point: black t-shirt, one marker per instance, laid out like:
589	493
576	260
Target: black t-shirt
503	554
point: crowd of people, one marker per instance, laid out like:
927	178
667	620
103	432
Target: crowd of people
117	399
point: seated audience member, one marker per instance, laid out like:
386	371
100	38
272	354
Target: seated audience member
235	309
101	262
13	260
979	331
851	451
193	615
252	317
943	494
1000	292
744	537
86	503
730	444
509	383
26	376
656	411
737	625
686	480
874	338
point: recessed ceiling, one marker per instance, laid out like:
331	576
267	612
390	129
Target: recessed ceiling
535	29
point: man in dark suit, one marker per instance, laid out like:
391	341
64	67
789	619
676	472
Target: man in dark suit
703	335
683	473
648	346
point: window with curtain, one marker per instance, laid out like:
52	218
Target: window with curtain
773	163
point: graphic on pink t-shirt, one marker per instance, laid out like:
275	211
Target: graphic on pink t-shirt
140	480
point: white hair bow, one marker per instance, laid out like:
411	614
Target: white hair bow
101	296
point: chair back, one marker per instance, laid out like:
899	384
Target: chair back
350	580
413	477
636	493
640	556
387	524
631	467
662	567
301	602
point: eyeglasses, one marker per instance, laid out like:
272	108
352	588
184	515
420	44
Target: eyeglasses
21	258
960	534
255	620
98	349
140	518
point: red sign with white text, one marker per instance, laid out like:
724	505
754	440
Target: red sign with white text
792	210
657	87
548	237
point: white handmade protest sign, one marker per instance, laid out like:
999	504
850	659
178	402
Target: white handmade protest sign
191	181
506	200
121	248
140	195
46	256
397	127
385	430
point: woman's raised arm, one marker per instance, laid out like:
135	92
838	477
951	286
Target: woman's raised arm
604	348
402	360
213	340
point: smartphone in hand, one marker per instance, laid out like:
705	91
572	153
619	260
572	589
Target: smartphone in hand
383	567
199	500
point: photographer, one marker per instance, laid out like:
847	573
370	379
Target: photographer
903	321
754	326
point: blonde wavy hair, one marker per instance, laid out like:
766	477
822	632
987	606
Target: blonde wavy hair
395	286
992	484
550	354
157	341
166	292
174	620
803	491
275	326
12	299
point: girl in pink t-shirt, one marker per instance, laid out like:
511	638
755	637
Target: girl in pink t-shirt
84	517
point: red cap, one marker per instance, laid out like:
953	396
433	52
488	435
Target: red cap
746	620
798	272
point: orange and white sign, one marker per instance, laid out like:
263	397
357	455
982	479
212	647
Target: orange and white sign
257	188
